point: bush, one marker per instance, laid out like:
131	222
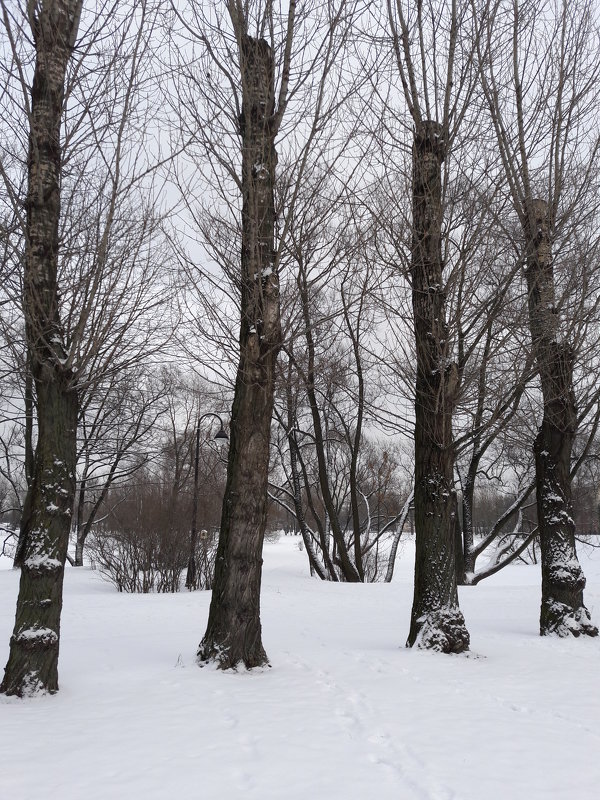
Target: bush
136	561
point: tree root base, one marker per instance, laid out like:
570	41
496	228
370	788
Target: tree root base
443	631
224	658
28	685
560	619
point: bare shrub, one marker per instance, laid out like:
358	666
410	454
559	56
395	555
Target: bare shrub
144	545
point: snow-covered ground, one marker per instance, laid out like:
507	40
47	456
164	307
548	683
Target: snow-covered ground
345	712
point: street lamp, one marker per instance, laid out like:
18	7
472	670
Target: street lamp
191	577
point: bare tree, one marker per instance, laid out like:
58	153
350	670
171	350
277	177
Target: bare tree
540	73
86	237
268	72
115	425
432	45
33	660
330	388
140	536
233	634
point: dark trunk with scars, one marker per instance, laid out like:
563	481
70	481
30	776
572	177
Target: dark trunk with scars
562	611
436	620
233	634
33	659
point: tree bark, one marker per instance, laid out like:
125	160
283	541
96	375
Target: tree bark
233	633
29	454
33	659
562	610
436	622
81	533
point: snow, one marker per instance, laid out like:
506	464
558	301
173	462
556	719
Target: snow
552	497
42	562
345	713
260	170
46	635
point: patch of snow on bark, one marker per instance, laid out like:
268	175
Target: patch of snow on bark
42	562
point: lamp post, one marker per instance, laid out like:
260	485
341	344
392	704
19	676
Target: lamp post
191	578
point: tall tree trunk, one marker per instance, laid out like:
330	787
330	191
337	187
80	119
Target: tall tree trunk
233	634
436	620
562	610
33	659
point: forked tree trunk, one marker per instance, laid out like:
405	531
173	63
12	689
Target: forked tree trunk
33	659
340	554
324	569
233	634
436	620
316	567
562	610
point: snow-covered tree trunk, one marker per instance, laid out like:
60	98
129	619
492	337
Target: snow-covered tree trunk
436	620
33	660
233	633
563	611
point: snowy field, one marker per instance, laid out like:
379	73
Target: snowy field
345	712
